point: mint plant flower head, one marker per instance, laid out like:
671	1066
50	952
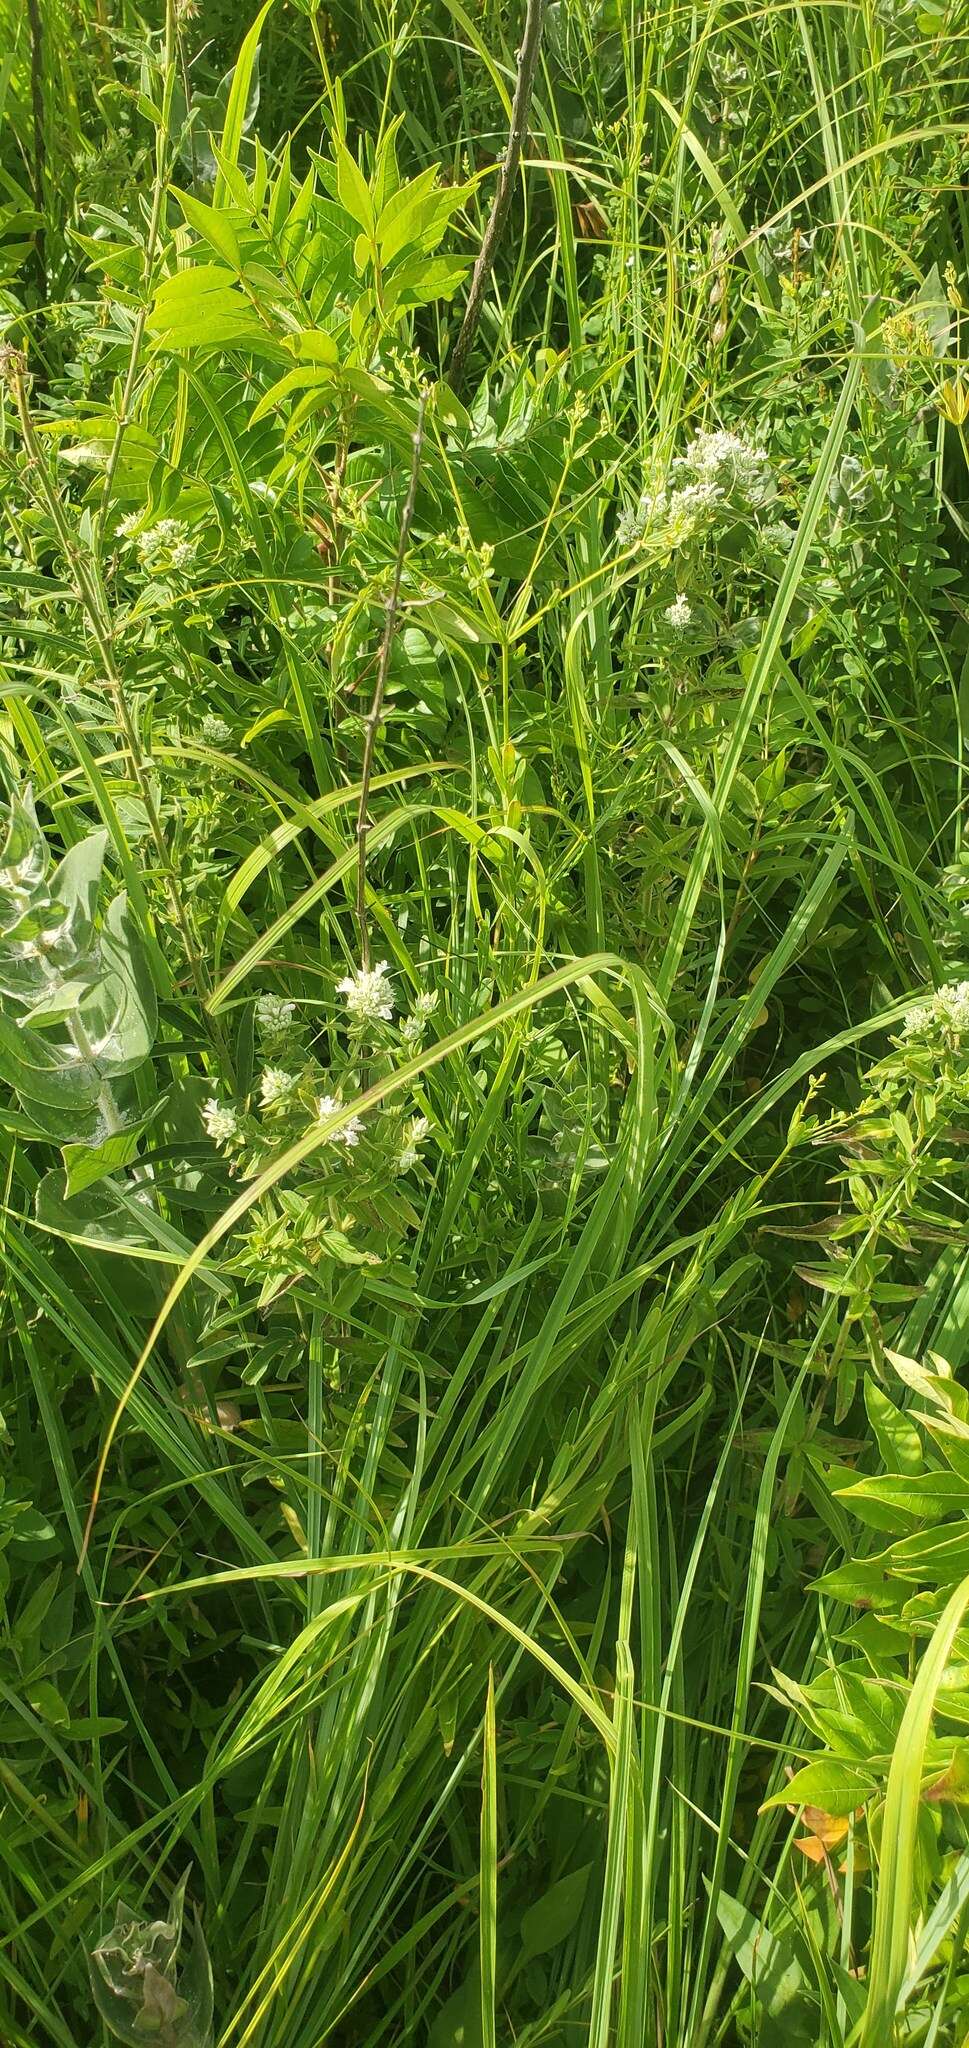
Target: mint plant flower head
369	997
679	613
327	1105
945	1014
143	1991
276	1086
274	1019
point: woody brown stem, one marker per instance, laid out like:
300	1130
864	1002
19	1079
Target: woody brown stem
377	703
527	67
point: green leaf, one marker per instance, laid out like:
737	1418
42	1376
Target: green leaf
770	1965
213	224
47	1702
931	306
76	882
42	1074
929	1496
352	188
239	112
86	1164
305	377
400	219
897	1438
121	1014
896	1870
552	1918
833	1786
422	279
458	2024
202	308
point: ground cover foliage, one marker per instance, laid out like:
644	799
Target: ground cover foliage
484	1026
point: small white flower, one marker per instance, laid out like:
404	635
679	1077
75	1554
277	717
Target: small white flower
167	541
917	1020
946	1011
128	525
274	1018
274	1086
952	1007
691	507
368	993
414	1134
220	1121
327	1105
679	613
413	1027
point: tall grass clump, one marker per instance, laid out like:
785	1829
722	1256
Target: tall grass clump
484	1024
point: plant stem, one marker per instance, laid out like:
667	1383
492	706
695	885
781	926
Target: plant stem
527	66
40	144
377	703
90	601
151	245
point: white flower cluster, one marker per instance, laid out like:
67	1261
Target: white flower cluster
274	1019
220	1121
727	464
327	1105
946	1012
369	997
415	1131
164	545
414	1026
276	1086
679	613
719	472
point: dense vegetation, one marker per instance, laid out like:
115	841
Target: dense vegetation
484	1024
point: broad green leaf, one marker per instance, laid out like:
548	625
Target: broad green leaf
897	1438
553	1917
419	280
400	218
771	1967
306	377
833	1786
929	1496
86	1164
202	307
76	881
120	1016
214	225
47	1702
352	188
896	1868
43	1075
